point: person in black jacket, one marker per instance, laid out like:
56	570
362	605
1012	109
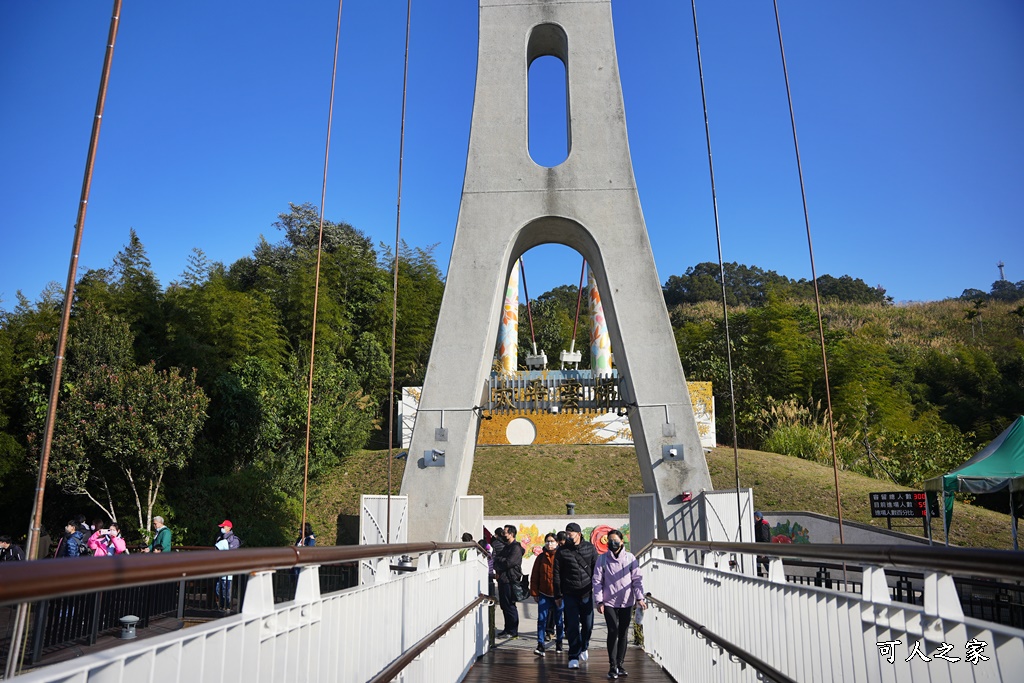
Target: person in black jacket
508	566
573	574
9	551
762	534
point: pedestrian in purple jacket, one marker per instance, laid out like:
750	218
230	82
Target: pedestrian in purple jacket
617	587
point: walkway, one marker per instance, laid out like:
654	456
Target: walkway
521	665
515	660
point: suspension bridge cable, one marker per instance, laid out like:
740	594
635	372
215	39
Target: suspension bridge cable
529	311
398	232
579	300
14	653
814	276
721	270
316	282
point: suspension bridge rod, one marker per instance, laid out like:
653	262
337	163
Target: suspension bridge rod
814	276
529	311
398	233
721	270
579	300
14	653
316	284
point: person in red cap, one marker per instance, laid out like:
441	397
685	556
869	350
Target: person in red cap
226	541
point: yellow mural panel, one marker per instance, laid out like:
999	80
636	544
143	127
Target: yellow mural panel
552	428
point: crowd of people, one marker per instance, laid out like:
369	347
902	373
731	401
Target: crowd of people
569	581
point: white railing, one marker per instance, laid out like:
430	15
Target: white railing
351	635
816	634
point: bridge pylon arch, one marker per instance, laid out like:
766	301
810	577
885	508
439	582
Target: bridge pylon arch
588	202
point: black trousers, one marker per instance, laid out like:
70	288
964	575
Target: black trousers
509	609
618	619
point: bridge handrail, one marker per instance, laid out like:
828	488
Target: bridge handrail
1000	564
396	667
46	579
767	670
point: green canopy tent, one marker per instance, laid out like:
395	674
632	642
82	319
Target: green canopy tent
998	466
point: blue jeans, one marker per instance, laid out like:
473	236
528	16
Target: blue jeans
223	591
545	606
579	622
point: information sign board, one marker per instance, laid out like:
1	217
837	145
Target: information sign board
899	504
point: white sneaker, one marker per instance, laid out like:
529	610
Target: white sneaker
574	663
585	655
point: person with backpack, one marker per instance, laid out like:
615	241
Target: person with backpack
508	566
72	544
573	575
308	538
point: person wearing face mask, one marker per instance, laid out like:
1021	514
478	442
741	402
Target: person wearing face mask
573	575
508	565
617	587
542	588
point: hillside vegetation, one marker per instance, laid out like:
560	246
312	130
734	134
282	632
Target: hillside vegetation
190	400
539	480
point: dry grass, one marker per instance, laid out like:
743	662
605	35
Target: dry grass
539	480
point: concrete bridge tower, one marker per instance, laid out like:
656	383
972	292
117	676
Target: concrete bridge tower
510	204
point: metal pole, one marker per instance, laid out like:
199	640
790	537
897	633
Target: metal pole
14	657
721	270
945	520
316	283
1013	520
814	278
398	242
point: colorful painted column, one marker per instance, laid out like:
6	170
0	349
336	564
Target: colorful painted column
600	344
508	333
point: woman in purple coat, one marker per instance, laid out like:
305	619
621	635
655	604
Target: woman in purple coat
617	587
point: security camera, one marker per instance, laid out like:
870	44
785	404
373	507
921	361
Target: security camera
436	453
672	452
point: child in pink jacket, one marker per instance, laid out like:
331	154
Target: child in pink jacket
105	542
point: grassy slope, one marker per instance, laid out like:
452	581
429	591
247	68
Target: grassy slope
539	480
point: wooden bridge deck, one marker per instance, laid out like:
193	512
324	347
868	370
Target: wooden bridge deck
521	665
514	660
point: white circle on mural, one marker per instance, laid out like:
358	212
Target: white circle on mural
521	432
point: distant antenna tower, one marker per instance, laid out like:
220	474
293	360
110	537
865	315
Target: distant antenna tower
1001	275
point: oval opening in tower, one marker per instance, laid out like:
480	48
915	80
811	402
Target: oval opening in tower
549	132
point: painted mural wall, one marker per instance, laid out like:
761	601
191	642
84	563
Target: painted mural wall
531	532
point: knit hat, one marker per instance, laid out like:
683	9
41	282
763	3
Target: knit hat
573	526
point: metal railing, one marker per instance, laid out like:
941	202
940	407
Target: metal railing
708	623
999	601
288	627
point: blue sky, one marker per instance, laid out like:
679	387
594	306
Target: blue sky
909	117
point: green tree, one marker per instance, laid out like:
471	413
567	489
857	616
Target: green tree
211	326
118	432
136	296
